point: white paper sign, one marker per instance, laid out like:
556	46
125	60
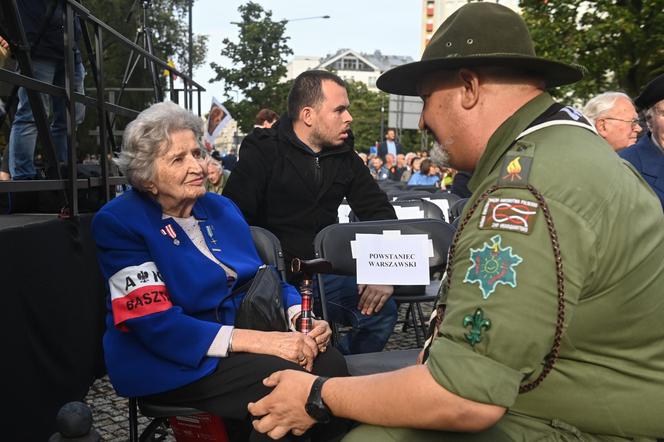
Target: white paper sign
444	206
392	258
408	212
217	119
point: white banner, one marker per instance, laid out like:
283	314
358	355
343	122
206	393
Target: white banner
392	258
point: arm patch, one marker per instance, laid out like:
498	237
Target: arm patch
137	291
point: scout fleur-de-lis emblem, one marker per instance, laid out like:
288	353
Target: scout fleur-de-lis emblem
513	170
476	322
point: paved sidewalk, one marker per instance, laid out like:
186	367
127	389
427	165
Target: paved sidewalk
110	412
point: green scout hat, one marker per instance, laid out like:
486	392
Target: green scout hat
651	94
479	34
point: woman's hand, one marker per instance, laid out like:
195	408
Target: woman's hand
292	346
321	334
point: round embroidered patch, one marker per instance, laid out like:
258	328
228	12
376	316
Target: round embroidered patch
492	265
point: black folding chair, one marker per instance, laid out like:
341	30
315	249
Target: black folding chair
333	244
457	208
431	189
270	252
426	209
444	200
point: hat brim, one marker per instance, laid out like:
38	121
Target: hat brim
404	79
653	93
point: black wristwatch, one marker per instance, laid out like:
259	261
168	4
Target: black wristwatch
315	406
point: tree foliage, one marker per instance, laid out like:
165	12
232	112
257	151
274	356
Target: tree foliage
620	43
259	65
365	109
168	22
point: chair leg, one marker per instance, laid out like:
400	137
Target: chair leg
406	318
148	434
133	420
416	327
423	321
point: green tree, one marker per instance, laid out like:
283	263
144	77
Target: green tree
259	60
620	43
365	108
169	24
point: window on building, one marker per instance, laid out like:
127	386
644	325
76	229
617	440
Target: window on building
349	63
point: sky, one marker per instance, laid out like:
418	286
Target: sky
391	26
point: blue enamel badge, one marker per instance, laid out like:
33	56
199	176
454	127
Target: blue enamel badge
492	265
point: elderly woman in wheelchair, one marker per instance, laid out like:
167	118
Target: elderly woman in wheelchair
172	255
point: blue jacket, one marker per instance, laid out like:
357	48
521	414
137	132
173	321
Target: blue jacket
163	291
419	179
648	160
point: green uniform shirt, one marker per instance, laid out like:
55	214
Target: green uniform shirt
502	302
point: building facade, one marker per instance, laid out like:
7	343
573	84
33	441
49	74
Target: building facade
434	12
350	65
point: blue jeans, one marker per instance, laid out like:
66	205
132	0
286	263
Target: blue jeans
23	136
369	332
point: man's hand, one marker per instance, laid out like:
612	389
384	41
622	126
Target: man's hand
373	297
321	333
283	410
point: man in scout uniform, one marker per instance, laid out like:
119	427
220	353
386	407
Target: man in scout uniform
552	329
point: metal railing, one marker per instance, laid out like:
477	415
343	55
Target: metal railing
71	184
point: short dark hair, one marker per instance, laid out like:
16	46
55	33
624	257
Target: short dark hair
425	166
307	90
264	115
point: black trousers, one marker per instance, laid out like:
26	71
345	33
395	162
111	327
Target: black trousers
238	380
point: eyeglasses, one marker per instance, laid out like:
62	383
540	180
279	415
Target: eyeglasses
634	122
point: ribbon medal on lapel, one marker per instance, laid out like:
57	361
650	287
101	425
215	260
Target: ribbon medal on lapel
170	231
492	265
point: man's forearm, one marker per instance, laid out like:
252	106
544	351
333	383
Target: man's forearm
406	398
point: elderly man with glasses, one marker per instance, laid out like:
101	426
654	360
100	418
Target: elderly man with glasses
615	118
647	155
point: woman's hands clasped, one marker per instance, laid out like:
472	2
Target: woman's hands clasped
321	333
293	346
300	348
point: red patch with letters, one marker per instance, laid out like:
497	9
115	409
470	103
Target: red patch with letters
512	214
142	301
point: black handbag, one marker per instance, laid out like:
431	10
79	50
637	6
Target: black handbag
262	307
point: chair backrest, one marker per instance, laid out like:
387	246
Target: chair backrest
426	208
411	194
444	200
269	249
457	207
333	242
430	189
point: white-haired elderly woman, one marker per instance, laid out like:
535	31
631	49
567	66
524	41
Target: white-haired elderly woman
171	252
216	177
